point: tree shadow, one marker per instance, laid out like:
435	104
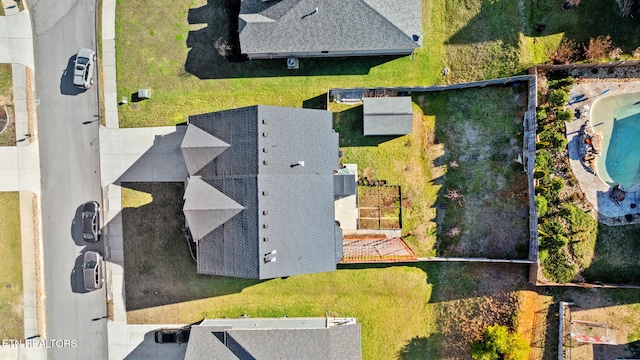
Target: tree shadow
215	50
421	347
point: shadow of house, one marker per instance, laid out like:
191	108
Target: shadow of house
149	161
215	51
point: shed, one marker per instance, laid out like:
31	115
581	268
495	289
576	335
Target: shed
387	115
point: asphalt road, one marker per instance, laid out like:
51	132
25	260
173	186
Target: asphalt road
70	169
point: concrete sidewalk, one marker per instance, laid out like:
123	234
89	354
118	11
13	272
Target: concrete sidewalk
109	63
20	166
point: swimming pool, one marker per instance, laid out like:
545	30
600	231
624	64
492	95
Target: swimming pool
618	119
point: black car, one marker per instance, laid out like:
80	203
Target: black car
179	336
91	221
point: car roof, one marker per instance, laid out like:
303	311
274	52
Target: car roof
86	53
90	206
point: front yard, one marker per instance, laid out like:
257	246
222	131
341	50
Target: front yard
11	297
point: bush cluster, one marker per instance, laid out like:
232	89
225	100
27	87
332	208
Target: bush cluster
558	223
498	343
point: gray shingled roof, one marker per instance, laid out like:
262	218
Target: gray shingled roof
287	207
341	342
338	25
199	148
387	115
203	344
206	208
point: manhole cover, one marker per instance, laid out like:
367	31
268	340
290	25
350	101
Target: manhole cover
134	107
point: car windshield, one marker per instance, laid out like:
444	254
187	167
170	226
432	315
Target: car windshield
87	214
82	60
90	264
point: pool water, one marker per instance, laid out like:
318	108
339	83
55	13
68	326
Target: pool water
620	120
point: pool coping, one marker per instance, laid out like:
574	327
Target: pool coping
595	190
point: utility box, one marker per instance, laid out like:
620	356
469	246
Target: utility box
144	94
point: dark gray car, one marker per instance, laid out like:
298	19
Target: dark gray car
91	221
83	68
92	270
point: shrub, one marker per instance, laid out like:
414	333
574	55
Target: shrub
556	267
541	205
580	223
552	226
553	242
544	161
541	114
498	343
565	83
563	116
551	188
565	53
557	97
598	48
554	138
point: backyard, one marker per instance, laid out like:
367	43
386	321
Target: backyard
457	169
11	301
7	121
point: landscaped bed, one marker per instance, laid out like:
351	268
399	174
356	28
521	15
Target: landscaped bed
458	170
573	245
11	296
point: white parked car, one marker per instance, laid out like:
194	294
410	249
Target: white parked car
92	270
83	68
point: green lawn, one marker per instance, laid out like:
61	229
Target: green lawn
11	297
616	255
8	136
161	50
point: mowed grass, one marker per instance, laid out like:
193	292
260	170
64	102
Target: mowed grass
391	303
175	51
467	142
11	297
8	136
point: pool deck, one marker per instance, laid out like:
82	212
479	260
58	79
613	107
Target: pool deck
595	190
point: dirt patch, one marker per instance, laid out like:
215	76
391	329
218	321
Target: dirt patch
494	299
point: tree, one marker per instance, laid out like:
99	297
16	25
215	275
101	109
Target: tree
565	53
497	344
598	48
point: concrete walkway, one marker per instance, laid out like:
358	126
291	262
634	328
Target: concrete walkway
20	166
